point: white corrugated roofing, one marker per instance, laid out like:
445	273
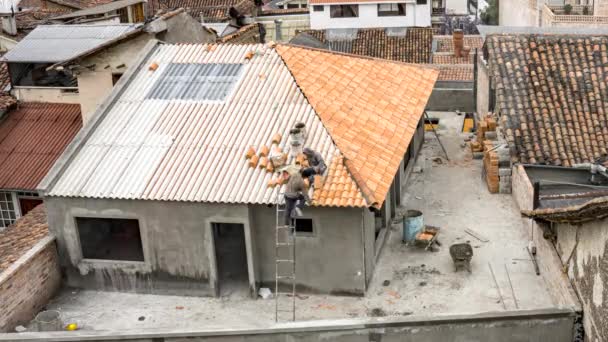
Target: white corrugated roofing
57	43
193	150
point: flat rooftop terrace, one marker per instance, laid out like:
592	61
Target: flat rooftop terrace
408	281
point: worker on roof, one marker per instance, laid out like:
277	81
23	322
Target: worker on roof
315	162
296	192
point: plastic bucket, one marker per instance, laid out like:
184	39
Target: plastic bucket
412	225
49	320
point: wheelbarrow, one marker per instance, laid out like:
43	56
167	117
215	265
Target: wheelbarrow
461	254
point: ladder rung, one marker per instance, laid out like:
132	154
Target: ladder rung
284	244
284	260
283	227
284	294
286	277
284	310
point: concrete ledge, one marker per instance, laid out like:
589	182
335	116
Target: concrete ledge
326	326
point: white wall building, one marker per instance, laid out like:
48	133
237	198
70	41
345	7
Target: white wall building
329	14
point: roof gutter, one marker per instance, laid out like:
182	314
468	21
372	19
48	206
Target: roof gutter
106	45
76	144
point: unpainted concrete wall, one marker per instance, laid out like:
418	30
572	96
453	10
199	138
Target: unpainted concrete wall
452	96
44	94
548	260
584	249
290	24
28	285
483	86
179	251
524	326
519	12
182	28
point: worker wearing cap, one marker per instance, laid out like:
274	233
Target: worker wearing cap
296	193
315	162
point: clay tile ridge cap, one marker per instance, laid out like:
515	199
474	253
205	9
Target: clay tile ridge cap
366	192
427	67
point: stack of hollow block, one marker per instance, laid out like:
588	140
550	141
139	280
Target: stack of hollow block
490	167
488	124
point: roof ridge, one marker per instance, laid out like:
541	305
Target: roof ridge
377	59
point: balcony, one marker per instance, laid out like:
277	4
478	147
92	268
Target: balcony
555	16
438	11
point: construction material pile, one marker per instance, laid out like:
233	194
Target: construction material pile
494	151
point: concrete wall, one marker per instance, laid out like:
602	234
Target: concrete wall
519	12
6	43
548	260
95	84
450	96
583	249
179	250
182	28
483	86
521	326
416	15
44	94
457	7
290	24
28	284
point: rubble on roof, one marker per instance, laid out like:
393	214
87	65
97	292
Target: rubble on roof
550	93
248	34
592	210
22	235
410	45
208	10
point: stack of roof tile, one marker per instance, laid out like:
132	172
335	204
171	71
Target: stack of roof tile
550	93
22	235
413	47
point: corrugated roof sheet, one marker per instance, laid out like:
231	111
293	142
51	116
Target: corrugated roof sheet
100	9
31	138
192	150
57	43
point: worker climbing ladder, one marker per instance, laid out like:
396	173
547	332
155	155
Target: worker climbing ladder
285	265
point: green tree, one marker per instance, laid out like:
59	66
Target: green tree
489	15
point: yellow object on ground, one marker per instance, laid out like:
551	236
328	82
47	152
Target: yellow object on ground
71	327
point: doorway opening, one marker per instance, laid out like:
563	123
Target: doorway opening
231	259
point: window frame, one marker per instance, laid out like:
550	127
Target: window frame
400	11
333	11
318	8
92	261
311	233
11	197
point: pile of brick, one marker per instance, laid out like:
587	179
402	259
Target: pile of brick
493	150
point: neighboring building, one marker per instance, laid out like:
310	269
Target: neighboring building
330	14
211	11
286	4
45	67
121	11
32	136
551	13
548	96
450	9
164	165
248	34
281	25
410	45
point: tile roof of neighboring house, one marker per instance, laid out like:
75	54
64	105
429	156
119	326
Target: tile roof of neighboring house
21	236
7	102
100	9
455	72
28	19
550	93
449	58
32	137
5	79
446	43
279	11
355	99
591	210
411	45
210	10
145	147
57	43
319	2
248	34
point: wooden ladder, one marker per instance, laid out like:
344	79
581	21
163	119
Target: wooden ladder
285	264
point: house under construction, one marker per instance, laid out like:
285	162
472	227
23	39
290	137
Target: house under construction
171	187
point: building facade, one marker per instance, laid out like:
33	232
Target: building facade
364	14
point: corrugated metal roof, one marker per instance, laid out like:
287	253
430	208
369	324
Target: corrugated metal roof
31	138
101	9
192	150
57	43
